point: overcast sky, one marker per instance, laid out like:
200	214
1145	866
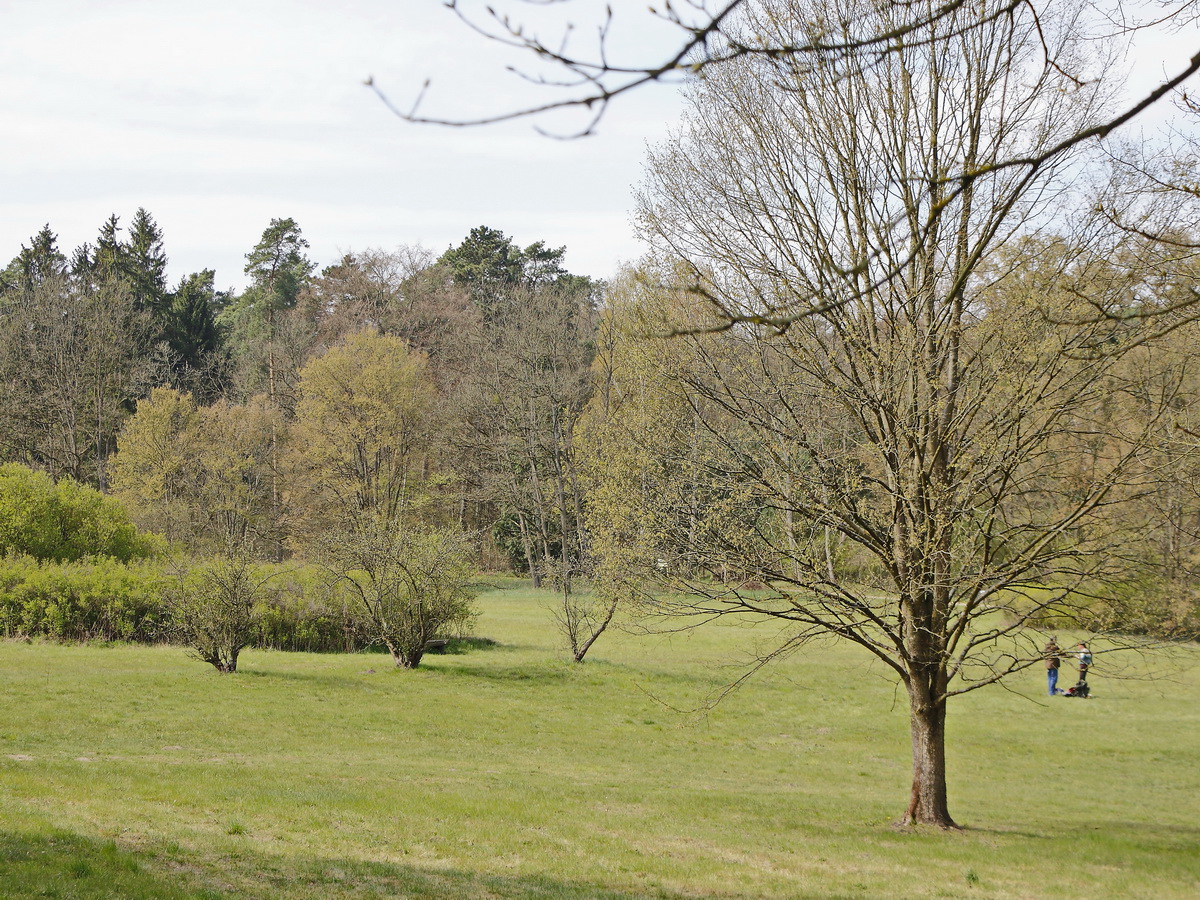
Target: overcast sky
220	115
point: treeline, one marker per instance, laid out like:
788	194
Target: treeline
499	340
398	420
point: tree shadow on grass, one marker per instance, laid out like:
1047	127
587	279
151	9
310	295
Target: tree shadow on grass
560	669
1151	837
551	671
372	879
61	864
1168	850
1068	830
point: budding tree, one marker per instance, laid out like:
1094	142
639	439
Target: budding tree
213	609
407	584
902	438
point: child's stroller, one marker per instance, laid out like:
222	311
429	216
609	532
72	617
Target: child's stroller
1080	689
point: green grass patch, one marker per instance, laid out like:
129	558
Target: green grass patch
501	770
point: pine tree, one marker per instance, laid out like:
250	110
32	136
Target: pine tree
278	266
492	267
34	264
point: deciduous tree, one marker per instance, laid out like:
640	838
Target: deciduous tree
213	608
202	475
409	583
863	375
71	362
712	34
362	435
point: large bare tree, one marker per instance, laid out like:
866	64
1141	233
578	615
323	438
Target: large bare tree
871	367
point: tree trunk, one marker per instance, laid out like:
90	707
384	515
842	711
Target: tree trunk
581	651
405	658
535	577
928	805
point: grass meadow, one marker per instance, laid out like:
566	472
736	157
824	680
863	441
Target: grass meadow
507	772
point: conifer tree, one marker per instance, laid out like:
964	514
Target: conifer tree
193	336
146	264
34	264
110	258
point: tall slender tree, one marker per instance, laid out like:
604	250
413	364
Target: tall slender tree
279	269
146	266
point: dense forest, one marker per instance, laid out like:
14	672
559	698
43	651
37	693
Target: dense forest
115	378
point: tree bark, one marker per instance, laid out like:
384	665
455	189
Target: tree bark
581	651
405	659
928	803
535	577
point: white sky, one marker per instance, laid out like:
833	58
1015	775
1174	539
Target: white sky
219	115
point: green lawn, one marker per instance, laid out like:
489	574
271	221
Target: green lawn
134	772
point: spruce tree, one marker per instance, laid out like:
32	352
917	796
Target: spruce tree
146	263
194	337
110	259
35	264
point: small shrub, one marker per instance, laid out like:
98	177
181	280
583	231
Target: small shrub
213	608
406	585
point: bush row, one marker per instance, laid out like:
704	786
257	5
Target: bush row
102	599
298	612
93	599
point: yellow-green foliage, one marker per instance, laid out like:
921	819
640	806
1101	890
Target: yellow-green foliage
298	611
632	438
647	459
94	599
360	439
106	600
201	475
65	521
1163	608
